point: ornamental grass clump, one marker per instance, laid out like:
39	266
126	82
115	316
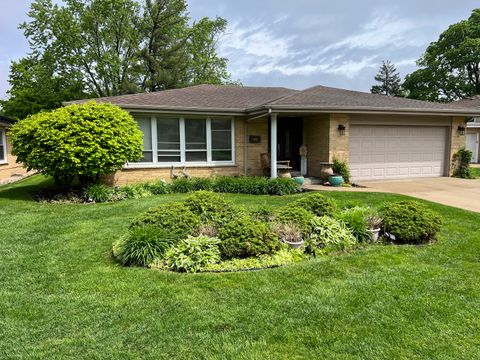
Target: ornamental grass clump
142	245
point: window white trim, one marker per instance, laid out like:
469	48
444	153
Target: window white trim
3	137
183	162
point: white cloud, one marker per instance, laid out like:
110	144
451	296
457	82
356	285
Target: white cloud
255	40
383	30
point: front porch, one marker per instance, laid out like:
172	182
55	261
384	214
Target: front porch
319	133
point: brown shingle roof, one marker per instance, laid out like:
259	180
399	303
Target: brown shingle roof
5	121
322	97
225	97
470	103
239	99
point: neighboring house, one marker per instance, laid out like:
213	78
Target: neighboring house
8	165
223	130
473	127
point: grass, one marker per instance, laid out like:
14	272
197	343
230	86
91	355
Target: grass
475	172
63	297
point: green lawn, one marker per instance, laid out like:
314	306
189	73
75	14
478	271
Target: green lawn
63	297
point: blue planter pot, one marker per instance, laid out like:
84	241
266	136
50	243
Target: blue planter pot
300	180
335	180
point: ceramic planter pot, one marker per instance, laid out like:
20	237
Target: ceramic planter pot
374	234
335	180
300	180
294	245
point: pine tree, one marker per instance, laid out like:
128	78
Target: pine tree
389	79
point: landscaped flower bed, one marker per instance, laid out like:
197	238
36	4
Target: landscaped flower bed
100	193
207	233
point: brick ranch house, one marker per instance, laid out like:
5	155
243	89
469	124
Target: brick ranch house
224	130
8	165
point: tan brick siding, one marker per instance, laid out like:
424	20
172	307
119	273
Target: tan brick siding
11	168
316	132
338	143
457	140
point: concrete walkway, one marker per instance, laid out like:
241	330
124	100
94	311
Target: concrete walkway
461	193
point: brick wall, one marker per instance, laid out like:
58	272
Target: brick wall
316	133
457	140
11	168
338	144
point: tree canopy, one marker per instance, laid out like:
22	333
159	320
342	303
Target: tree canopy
389	81
100	48
450	68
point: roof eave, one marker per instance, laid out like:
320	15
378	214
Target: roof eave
366	110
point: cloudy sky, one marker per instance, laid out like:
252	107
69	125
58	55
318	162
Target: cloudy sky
298	43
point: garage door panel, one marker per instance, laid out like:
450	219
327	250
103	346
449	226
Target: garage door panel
383	152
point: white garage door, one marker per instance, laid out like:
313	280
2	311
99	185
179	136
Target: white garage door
391	152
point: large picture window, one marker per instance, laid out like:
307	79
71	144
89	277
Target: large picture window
183	141
3	147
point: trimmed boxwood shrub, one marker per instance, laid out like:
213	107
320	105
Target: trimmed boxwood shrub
296	215
210	207
141	245
174	217
410	222
329	234
244	237
193	254
318	204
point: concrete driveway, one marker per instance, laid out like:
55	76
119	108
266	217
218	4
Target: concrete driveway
461	193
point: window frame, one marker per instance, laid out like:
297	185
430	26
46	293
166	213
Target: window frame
3	138
183	163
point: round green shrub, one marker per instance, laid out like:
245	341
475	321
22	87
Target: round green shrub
318	204
77	140
143	244
210	207
193	254
174	217
329	234
410	222
244	237
356	220
296	215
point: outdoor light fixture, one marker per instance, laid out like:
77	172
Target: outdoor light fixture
341	129
461	130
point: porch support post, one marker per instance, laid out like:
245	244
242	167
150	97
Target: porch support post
273	146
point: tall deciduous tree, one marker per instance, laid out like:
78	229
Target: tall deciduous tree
450	67
112	47
389	81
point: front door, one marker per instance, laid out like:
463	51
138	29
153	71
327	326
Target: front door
472	145
290	139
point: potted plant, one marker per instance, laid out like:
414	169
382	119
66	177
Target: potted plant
373	227
290	234
341	173
336	180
